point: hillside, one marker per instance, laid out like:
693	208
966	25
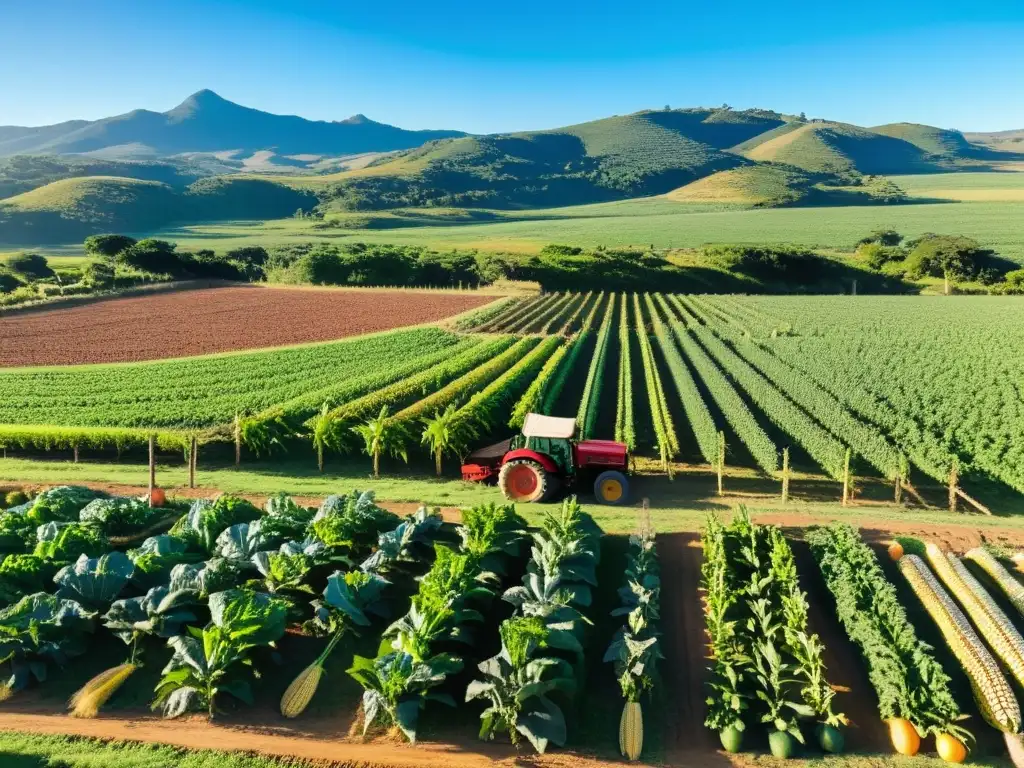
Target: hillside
838	148
23	173
70	209
205	122
646	153
939	142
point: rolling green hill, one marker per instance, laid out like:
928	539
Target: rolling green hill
646	153
71	209
838	148
939	142
753	185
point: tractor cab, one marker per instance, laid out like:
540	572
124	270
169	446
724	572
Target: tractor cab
545	456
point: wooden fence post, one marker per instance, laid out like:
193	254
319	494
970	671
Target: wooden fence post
846	477
152	467
75	450
785	475
721	462
238	440
954	480
193	453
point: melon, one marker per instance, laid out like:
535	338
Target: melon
831	738
732	739
781	744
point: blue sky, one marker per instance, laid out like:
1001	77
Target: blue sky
496	66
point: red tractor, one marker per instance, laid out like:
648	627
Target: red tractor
533	465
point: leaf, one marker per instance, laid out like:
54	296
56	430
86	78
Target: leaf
542	725
181	701
95	582
407	715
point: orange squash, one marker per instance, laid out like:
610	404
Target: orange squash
905	738
895	550
157	498
950	748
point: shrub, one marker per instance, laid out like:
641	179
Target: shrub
107	246
99	274
321	266
153	256
8	282
876	255
251	254
766	262
30	266
952	256
1013	283
887	237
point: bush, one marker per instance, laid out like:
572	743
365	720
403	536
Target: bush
876	255
321	266
952	256
99	274
9	282
886	237
765	262
30	266
1013	283
108	246
153	256
252	254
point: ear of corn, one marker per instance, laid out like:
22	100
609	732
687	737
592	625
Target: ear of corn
301	690
1006	582
631	730
995	698
90	698
993	625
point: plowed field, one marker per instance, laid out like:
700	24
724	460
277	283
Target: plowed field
200	322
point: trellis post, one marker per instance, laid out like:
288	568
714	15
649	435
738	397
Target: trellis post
721	462
152	467
954	481
846	477
238	440
193	454
785	475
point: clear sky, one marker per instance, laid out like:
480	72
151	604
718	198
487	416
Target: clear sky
488	66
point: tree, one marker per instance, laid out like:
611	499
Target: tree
107	246
951	257
1013	283
9	282
381	435
443	434
30	266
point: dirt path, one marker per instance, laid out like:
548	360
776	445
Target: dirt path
199	734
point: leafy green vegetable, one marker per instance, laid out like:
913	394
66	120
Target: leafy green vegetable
397	687
350	523
216	575
208	663
64	542
284	572
158	555
517	686
61	504
410	542
119	516
38	630
158	613
206	520
95	582
17	531
22	575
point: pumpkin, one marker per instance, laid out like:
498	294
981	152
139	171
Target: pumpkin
950	748
732	739
781	744
895	550
157	498
831	739
905	738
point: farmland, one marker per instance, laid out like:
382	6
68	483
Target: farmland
200	322
811	381
659	221
817	409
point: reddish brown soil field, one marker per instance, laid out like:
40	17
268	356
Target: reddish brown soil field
200	322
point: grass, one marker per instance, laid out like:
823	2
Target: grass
965	187
654	221
679	505
748	185
838	147
24	750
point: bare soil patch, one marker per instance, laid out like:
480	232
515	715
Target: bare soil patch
201	322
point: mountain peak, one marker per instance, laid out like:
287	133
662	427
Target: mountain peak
356	119
204	99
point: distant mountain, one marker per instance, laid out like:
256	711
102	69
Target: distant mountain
205	122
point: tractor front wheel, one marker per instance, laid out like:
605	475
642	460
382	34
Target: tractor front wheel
524	481
611	487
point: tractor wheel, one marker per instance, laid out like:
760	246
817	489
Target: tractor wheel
523	480
611	487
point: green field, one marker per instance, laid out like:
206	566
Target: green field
651	221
